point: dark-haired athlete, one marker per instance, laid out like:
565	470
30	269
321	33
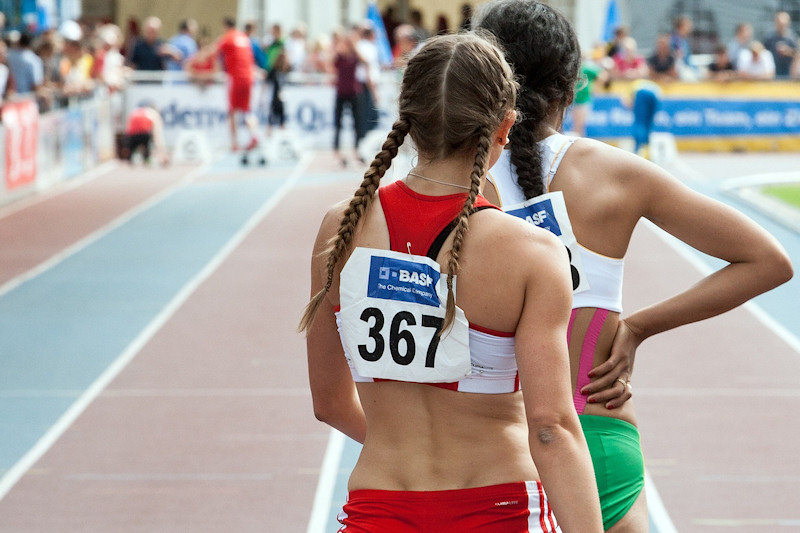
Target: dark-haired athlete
605	191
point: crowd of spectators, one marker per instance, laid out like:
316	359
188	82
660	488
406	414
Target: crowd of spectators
775	56
76	58
58	64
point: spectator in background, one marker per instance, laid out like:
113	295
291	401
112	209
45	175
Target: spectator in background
721	67
741	40
416	20
277	78
390	24
238	63
26	67
756	63
4	72
318	59
615	45
347	90
629	64
795	70
407	43
50	49
76	62
111	70
275	47
297	47
782	44
144	127
251	30
202	68
149	52
442	26
466	18
591	73
662	62
132	34
368	75
183	45
679	40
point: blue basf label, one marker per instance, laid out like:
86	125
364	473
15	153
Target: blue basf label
408	281
539	214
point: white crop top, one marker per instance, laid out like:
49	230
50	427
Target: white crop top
493	360
389	319
603	274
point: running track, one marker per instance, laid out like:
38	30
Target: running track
151	379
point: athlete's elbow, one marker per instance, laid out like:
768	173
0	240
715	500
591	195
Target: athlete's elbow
325	411
781	269
551	429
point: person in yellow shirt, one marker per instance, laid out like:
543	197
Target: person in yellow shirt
76	63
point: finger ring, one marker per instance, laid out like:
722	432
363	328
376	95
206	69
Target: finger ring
625	384
630	387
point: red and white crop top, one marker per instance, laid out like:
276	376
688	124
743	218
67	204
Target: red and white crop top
392	323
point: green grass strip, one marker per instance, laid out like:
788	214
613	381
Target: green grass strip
789	194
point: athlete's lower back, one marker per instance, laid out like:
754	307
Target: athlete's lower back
427	438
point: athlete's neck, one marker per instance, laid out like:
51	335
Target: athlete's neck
445	176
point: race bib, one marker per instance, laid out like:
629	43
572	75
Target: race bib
549	211
391	316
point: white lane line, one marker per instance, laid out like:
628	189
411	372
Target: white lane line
323	496
718	392
160	393
655	507
98	233
749	522
15	473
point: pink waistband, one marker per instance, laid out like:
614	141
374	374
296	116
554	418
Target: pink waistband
587	353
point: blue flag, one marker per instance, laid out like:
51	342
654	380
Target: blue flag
381	40
612	21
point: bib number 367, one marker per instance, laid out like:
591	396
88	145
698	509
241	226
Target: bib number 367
401	340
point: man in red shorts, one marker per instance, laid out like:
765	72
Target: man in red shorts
238	62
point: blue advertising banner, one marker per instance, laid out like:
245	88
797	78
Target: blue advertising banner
693	117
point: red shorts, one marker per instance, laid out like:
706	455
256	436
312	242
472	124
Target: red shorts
239	95
511	508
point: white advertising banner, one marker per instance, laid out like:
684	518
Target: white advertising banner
309	110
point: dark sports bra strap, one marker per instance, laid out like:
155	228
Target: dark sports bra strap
438	242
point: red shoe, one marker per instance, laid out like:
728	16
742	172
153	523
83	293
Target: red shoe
252	144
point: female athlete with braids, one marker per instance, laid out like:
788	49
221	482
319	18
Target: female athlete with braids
545	175
449	444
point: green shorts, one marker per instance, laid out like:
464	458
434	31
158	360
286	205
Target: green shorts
618	464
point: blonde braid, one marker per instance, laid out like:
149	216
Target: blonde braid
478	170
362	199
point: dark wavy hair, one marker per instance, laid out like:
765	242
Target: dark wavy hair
542	47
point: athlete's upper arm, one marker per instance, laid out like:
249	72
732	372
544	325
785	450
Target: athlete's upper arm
327	367
700	221
541	335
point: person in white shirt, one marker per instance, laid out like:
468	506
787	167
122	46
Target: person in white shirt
368	74
756	63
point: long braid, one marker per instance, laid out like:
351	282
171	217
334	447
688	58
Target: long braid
478	170
362	199
525	153
543	48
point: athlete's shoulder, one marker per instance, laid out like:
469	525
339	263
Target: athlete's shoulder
510	235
